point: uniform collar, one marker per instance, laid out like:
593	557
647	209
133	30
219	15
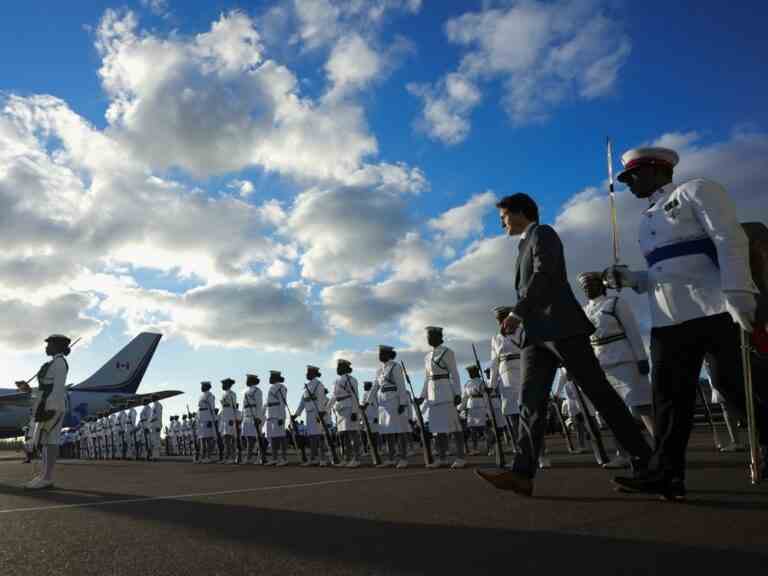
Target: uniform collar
661	192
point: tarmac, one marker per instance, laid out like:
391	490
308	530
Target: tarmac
174	517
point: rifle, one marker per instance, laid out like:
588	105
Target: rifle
566	432
214	416
259	435
192	425
323	425
297	440
239	456
597	440
367	426
708	412
428	459
500	460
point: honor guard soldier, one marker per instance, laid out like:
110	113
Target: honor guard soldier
156	425
275	418
206	407
50	407
314	402
506	372
343	402
701	292
122	418
253	416
372	412
390	394
131	432
474	405
442	388
619	349
145	428
229	420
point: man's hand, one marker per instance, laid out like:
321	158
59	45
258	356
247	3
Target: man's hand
643	367
742	306
616	277
510	325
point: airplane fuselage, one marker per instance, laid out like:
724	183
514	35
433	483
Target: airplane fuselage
79	404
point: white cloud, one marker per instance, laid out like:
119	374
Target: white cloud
463	221
543	53
347	233
243	187
25	325
214	103
250	312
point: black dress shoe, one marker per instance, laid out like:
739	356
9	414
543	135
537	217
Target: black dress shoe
670	488
507	480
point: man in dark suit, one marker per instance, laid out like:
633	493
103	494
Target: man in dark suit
555	333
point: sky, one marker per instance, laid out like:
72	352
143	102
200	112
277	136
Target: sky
276	184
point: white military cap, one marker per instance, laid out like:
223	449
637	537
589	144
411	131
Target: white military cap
498	310
635	157
385	347
315	368
343	361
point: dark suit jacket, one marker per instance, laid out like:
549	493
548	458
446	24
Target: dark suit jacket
545	302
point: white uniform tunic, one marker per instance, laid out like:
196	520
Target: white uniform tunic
619	347
156	423
441	384
206	407
473	401
54	376
228	414
389	391
506	372
313	389
253	409
275	411
695	249
343	403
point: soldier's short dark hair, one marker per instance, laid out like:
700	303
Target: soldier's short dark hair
522	204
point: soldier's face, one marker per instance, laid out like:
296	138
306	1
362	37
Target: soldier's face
434	339
642	181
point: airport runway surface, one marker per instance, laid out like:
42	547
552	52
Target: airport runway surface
173	517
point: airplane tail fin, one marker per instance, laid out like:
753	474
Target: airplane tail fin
124	371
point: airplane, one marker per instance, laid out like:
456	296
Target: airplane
108	390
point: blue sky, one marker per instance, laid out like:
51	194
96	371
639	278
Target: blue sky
371	138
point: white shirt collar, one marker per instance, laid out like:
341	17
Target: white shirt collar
524	235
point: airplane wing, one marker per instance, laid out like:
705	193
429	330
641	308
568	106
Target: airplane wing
121	402
15	399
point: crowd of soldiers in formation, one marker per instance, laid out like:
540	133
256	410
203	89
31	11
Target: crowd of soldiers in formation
389	421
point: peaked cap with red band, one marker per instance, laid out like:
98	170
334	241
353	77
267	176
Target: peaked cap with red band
631	159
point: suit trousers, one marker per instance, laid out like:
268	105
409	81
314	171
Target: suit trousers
540	361
677	353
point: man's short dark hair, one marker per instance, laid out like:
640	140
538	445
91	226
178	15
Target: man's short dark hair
520	204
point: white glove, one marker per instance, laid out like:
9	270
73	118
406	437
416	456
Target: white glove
616	277
741	305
